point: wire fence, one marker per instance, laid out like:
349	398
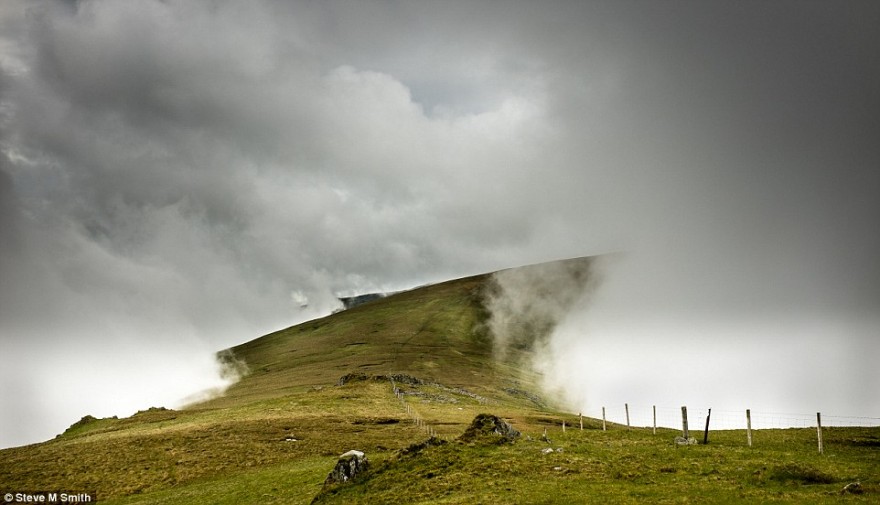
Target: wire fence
670	417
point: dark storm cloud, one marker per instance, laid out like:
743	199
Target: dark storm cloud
178	177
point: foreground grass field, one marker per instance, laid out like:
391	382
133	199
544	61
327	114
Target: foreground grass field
274	436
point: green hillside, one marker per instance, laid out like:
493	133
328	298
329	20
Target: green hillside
316	390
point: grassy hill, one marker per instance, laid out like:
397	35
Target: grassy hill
318	389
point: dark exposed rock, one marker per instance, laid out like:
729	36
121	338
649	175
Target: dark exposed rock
352	377
395	378
406	379
490	428
349	302
350	465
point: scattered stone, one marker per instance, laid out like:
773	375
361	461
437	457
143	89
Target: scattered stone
557	468
852	488
547	450
685	441
559	449
350	465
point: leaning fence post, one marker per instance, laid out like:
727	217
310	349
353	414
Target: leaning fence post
749	426
706	433
684	422
819	429
603	419
626	406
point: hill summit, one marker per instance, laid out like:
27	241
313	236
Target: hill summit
474	332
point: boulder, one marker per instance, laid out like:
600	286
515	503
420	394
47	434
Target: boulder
489	428
350	465
685	441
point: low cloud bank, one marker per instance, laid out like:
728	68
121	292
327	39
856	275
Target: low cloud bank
609	332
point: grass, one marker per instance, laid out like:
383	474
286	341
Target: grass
274	436
625	466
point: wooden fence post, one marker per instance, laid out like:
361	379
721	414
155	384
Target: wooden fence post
749	426
655	419
563	426
684	422
706	432
581	419
626	407
603	419
819	429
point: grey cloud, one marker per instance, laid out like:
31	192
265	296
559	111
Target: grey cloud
189	172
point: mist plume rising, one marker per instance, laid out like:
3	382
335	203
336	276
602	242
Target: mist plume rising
527	303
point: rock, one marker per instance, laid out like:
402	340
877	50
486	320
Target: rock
685	441
352	377
406	379
350	465
852	488
489	427
547	450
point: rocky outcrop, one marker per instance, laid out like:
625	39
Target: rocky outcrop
394	378
350	465
489	428
352	377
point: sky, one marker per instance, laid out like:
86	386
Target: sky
177	177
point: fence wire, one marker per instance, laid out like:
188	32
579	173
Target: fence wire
670	417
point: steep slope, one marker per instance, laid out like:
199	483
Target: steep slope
436	333
288	412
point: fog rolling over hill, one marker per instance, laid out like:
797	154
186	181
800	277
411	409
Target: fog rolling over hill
420	382
525	304
615	329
